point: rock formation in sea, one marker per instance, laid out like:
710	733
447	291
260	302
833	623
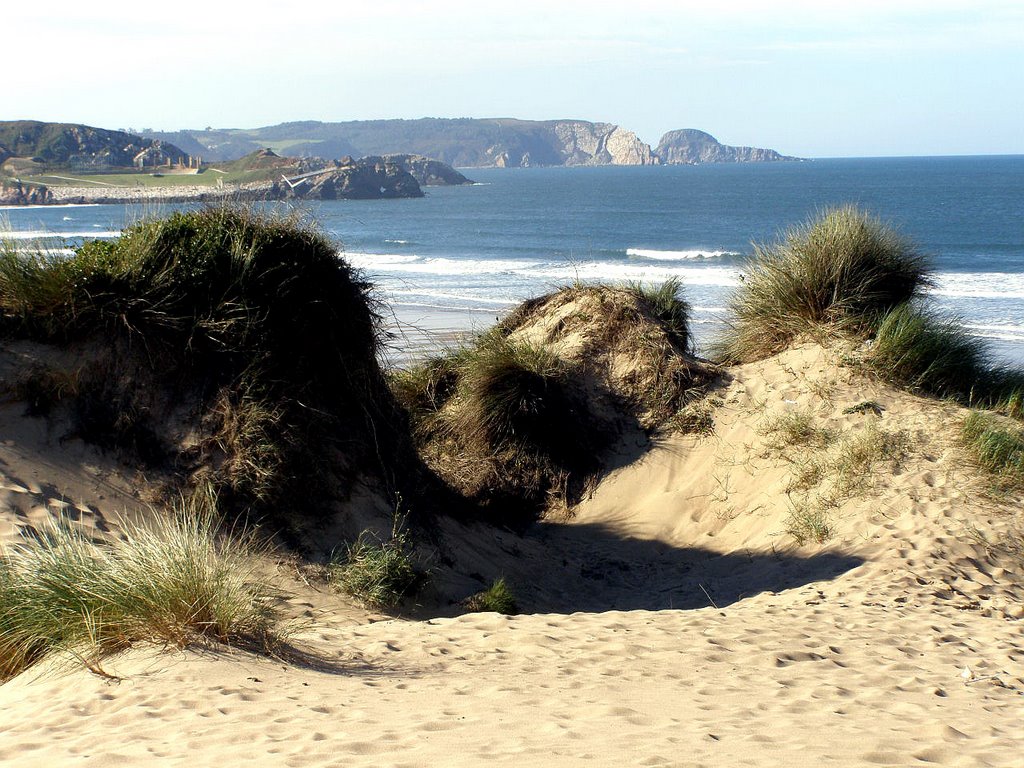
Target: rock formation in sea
428	172
689	146
365	179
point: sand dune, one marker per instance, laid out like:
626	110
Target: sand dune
670	621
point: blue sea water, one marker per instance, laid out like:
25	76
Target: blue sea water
475	251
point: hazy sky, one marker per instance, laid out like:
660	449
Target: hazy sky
807	77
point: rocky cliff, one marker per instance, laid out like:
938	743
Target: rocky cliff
690	147
464	142
16	193
428	172
368	178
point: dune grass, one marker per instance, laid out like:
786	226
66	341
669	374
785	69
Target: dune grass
666	302
378	572
497	598
922	351
846	274
515	396
995	445
176	580
838	270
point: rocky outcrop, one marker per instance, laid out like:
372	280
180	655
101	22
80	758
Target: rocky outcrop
369	178
428	172
16	193
691	147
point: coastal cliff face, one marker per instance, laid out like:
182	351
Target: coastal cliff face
16	193
463	142
586	143
690	147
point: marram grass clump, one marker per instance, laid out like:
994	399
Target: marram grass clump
175	580
839	270
248	324
497	598
996	445
378	572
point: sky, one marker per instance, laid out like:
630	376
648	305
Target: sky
806	77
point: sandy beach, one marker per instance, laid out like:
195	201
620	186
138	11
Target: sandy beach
897	642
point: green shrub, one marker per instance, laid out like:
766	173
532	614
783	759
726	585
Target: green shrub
840	269
497	598
379	573
174	580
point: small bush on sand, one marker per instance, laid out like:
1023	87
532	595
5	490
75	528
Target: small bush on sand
515	395
996	445
175	580
379	573
497	598
840	269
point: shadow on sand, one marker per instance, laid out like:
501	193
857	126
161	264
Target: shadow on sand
565	568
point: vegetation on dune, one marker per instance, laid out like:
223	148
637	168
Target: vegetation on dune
997	446
846	274
497	598
175	580
250	322
519	419
380	573
829	467
840	270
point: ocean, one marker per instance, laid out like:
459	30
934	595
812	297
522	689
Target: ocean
462	256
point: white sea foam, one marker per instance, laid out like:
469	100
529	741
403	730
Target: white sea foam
693	255
387	264
398	242
979	285
457	297
724	277
450	307
41	234
1000	331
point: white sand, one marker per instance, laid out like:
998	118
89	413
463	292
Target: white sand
845	653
